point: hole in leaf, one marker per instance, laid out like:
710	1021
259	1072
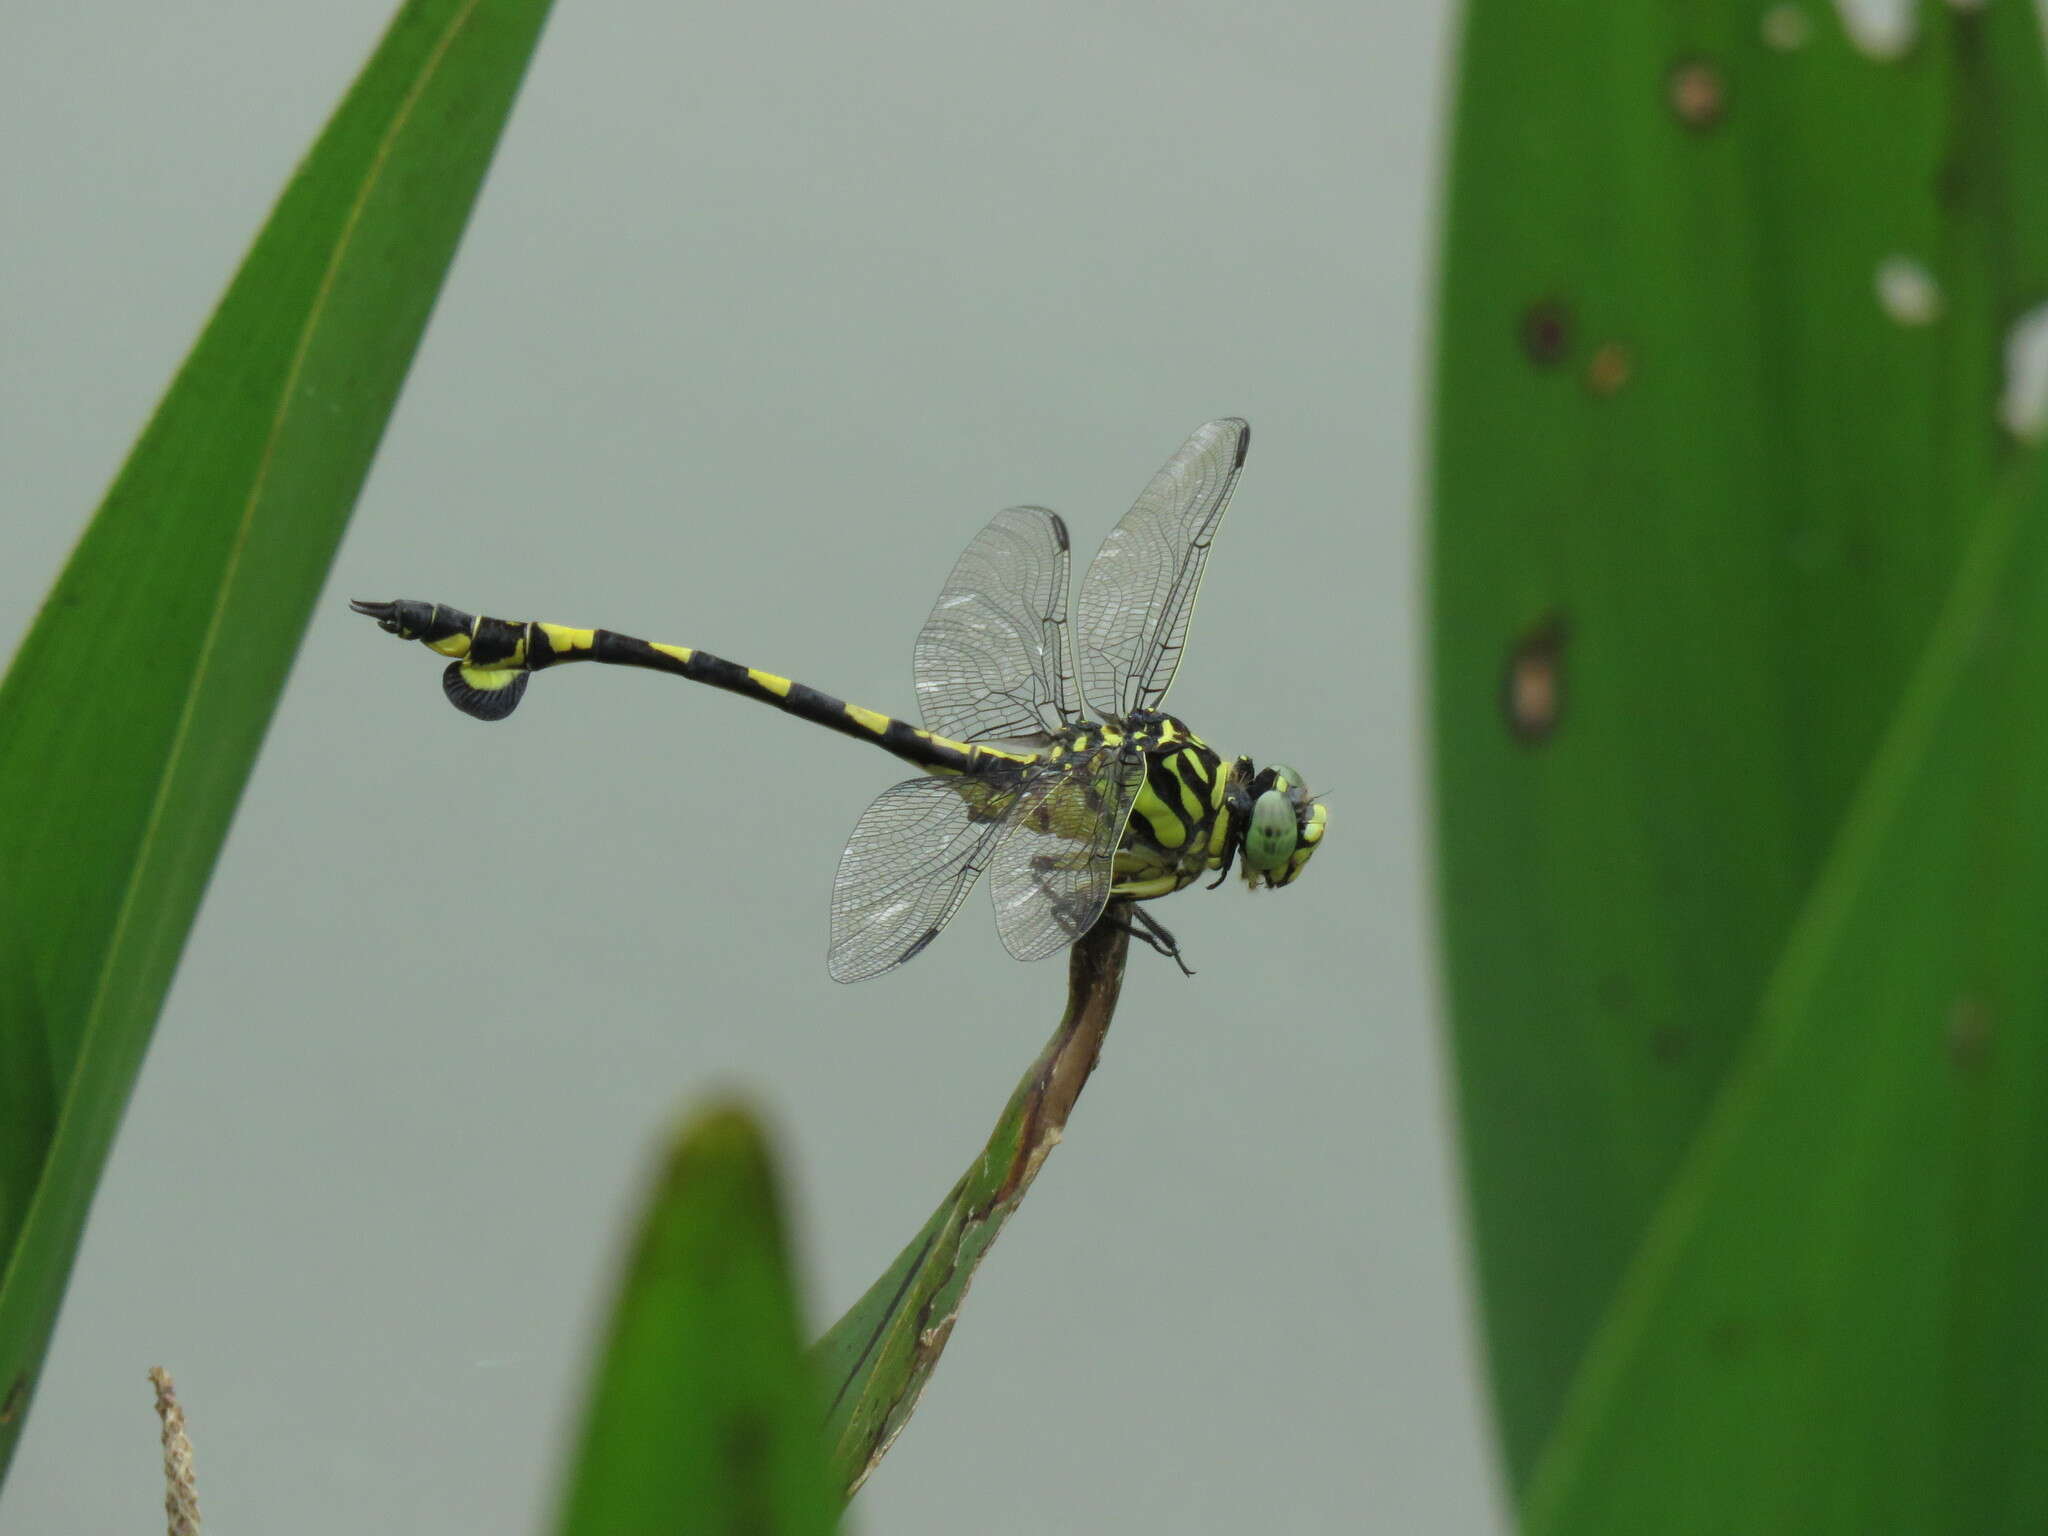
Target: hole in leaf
1883	29
1907	291
2023	407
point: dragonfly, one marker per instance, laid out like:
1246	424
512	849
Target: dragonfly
1070	787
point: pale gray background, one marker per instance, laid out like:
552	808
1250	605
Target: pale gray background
764	310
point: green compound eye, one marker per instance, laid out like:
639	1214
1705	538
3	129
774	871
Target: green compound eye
1275	830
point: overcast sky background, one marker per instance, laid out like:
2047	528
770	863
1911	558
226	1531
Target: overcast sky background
763	312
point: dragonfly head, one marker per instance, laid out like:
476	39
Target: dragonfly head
1281	829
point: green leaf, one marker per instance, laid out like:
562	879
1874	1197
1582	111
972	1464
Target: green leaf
704	1417
135	707
1700	495
1835	1322
878	1357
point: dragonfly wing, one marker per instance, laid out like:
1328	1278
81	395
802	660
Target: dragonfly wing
993	662
1054	867
913	857
1139	594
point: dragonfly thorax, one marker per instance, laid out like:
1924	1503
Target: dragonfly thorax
1194	812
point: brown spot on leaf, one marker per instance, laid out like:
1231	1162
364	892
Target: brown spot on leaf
1969	1033
17	1394
1955	184
1697	93
1786	28
1609	368
1547	332
1532	689
1668	1044
1730	1339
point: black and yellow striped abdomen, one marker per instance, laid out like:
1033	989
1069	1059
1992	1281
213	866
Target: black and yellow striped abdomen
494	657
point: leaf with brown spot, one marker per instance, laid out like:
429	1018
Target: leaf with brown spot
1761	512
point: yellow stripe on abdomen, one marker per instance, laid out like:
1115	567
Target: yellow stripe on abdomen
564	641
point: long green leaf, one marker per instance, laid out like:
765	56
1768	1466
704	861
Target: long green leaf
132	714
704	1418
878	1357
1723	312
1837	1324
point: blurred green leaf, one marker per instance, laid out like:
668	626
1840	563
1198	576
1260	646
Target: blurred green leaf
1724	309
135	707
704	1418
1835	1323
878	1357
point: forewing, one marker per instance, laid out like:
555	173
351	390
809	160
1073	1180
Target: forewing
993	662
913	857
1139	594
1054	867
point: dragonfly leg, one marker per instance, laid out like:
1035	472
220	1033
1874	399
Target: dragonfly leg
1148	930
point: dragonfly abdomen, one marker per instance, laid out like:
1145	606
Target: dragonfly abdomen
494	657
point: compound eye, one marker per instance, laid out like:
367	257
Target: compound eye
1275	829
1286	781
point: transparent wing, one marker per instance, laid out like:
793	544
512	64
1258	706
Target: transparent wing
1054	867
1139	594
913	857
993	662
